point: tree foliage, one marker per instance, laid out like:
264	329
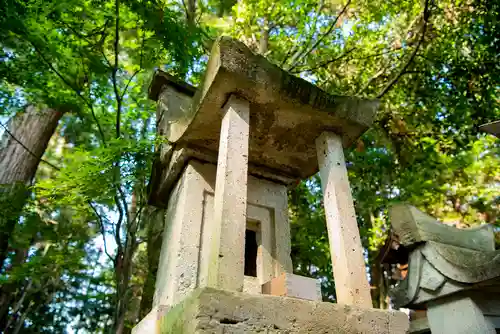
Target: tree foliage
77	257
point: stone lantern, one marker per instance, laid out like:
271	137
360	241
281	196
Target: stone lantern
236	143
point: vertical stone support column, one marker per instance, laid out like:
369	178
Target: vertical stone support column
227	251
349	271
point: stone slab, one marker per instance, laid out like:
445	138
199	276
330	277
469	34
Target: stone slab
286	113
419	326
214	311
414	226
296	286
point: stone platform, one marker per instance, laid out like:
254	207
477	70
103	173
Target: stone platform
213	311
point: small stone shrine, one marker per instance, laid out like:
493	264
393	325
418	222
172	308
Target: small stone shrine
235	144
453	273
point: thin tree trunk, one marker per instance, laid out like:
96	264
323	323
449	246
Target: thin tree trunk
156	222
9	290
378	290
20	321
21	148
377	280
123	294
191	12
123	267
264	37
17	305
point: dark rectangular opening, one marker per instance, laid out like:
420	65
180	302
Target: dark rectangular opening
250	253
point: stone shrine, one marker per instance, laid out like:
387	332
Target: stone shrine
453	274
235	144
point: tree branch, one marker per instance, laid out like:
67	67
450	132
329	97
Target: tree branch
115	69
391	83
119	222
101	227
85	37
67	83
318	41
120	196
264	37
378	53
285	58
136	72
128	83
106	59
375	76
328	62
186	10
297	54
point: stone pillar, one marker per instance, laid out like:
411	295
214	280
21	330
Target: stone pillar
458	315
348	263
227	253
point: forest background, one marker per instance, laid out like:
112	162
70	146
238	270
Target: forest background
79	245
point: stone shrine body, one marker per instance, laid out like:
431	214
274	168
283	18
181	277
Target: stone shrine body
235	144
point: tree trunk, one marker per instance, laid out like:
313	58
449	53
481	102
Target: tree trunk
378	289
123	267
21	148
155	223
191	12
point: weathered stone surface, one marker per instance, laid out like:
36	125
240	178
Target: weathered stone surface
419	326
172	160
227	246
351	284
438	270
448	271
173	102
458	315
184	261
462	265
178	267
286	113
162	79
290	285
172	97
215	311
414	226
150	324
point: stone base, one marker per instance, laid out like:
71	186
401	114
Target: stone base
211	311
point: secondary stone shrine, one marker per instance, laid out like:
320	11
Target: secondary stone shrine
235	144
453	274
